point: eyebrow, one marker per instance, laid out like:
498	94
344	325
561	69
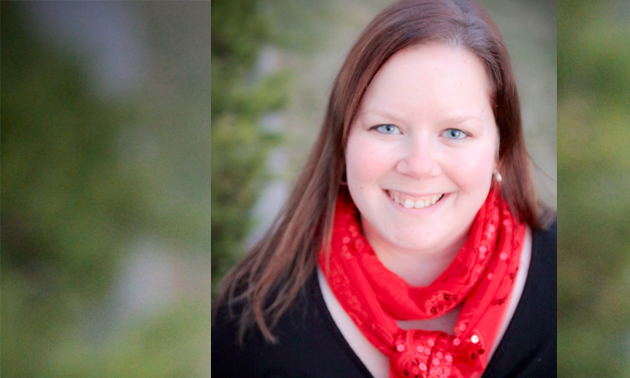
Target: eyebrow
380	113
461	118
449	119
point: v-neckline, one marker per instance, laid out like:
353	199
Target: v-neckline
370	359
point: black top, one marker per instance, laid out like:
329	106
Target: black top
311	345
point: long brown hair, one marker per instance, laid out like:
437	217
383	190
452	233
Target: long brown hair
267	280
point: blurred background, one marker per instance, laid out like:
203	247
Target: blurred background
273	66
106	158
593	203
105	189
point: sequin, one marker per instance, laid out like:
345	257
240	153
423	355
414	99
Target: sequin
503	256
490	276
358	243
474	339
406	363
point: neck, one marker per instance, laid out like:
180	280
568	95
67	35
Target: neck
418	267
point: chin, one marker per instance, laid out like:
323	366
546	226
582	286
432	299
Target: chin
417	238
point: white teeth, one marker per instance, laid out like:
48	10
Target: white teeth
409	203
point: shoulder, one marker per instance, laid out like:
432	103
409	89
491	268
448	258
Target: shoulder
538	302
545	250
548	234
528	348
251	355
305	347
229	356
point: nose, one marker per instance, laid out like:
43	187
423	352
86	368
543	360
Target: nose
420	159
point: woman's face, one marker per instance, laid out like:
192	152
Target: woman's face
422	149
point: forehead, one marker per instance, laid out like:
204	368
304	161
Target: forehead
432	74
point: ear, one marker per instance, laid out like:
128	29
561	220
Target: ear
498	164
497	160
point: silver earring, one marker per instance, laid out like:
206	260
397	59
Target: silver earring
497	175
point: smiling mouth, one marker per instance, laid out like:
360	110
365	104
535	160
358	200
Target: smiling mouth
410	202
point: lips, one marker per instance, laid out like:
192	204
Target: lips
409	202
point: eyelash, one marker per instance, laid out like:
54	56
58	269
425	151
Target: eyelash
463	134
380	128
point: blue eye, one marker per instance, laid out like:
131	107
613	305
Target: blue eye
387	129
455	134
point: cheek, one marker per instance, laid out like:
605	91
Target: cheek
473	168
365	162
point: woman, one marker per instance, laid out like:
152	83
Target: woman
411	244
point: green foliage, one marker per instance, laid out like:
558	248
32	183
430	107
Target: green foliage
239	148
65	204
68	208
170	337
593	259
61	205
237	33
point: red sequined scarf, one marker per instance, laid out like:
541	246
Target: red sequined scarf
481	276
